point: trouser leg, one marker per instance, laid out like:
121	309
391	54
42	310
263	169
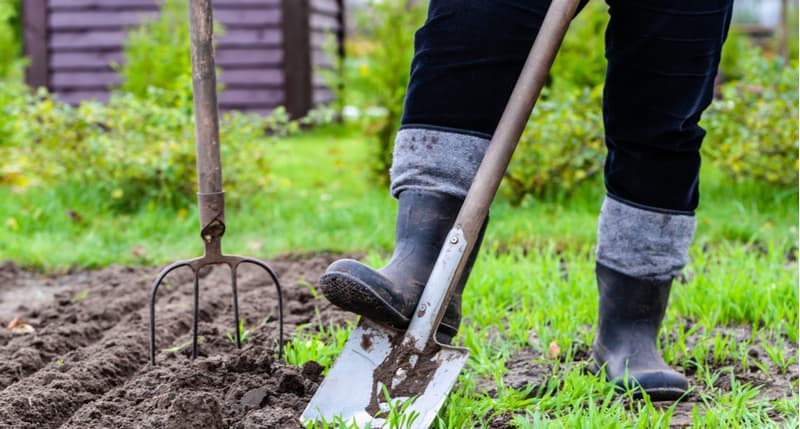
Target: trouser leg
663	56
662	59
467	58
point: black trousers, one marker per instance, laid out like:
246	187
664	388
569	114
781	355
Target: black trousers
662	56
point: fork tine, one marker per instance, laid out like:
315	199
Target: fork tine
153	292
196	311
235	306
278	288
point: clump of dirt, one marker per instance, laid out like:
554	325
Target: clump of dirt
404	373
87	363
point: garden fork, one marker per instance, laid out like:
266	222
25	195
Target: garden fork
210	197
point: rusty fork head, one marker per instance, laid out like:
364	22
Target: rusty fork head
210	198
212	238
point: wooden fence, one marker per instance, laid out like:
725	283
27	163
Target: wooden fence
269	53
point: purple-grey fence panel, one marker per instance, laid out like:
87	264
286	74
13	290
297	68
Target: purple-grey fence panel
77	44
326	24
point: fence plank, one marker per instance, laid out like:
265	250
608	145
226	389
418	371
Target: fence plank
98	40
253	77
108	19
251	97
326	7
100	80
75	97
297	64
34	18
140	4
105	79
233	58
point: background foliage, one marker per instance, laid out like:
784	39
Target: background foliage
753	128
10	39
157	55
137	151
561	146
139	146
376	73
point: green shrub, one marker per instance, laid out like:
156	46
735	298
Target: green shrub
136	151
157	54
376	76
735	53
753	129
561	146
581	60
10	39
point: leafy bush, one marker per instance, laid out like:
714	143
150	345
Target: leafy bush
753	129
376	75
581	61
157	55
735	53
10	38
561	146
135	150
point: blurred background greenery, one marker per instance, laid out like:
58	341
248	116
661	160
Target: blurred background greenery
134	154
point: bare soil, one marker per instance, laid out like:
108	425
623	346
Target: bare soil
86	364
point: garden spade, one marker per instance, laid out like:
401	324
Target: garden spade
384	373
210	197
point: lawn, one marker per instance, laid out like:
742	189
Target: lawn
531	301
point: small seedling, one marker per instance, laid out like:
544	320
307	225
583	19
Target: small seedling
80	296
338	423
182	346
398	416
244	334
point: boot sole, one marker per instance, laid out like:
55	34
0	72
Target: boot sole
655	393
660	393
351	294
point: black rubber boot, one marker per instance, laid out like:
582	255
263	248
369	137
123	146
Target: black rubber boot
630	315
390	295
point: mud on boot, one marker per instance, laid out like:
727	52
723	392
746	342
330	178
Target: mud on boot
390	294
630	315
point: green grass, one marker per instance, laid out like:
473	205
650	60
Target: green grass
319	195
533	284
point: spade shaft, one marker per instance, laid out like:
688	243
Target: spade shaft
490	173
380	365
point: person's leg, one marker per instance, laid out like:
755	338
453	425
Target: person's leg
468	55
663	57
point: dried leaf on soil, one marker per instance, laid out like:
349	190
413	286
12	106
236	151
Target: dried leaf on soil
554	349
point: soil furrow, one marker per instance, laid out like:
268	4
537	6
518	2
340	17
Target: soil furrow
82	312
85	374
158	397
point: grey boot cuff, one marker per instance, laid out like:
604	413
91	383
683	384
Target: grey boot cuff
433	160
643	243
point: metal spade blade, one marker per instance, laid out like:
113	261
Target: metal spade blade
354	388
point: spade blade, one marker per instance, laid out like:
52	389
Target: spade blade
375	362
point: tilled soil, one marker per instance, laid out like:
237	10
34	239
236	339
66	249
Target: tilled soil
87	363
